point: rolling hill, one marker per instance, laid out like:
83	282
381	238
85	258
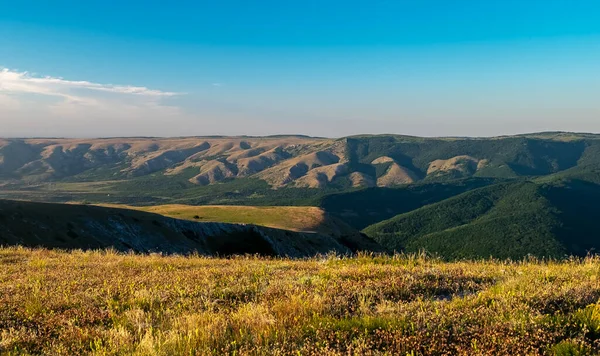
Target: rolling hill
508	220
279	170
68	226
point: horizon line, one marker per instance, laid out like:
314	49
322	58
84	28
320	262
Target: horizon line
292	135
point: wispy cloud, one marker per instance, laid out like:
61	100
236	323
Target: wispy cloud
33	105
22	82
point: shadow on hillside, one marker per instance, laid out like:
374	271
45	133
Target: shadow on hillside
578	204
365	207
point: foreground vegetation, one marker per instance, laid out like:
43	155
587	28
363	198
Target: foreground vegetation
105	303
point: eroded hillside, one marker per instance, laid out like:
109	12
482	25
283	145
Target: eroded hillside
291	161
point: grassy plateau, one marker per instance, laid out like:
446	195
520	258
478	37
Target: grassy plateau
106	303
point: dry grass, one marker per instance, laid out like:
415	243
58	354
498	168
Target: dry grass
396	175
458	163
294	218
104	303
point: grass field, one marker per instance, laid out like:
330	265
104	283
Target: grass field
104	303
295	218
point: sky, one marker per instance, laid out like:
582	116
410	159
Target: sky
315	67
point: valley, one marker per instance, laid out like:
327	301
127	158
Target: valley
502	197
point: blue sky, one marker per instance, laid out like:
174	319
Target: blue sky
324	68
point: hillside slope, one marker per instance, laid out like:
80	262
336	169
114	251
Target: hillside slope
91	227
509	220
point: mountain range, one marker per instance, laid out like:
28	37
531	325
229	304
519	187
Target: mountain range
457	197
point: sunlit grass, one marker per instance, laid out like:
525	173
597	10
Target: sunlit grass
105	303
295	218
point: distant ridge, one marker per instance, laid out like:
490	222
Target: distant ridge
283	160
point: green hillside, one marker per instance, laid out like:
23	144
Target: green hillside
505	157
508	220
365	207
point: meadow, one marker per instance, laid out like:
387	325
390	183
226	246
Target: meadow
294	218
107	303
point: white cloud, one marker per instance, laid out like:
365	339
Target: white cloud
39	106
23	82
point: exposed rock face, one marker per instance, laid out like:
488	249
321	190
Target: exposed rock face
91	227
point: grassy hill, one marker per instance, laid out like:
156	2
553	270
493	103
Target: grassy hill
508	220
293	218
68	226
105	303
